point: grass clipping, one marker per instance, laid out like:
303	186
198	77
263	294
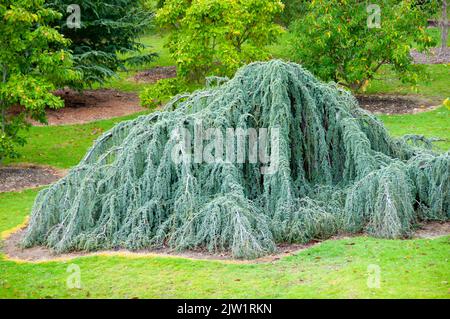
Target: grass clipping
338	170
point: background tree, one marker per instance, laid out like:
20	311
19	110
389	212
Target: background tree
293	10
217	36
333	40
32	61
444	26
108	37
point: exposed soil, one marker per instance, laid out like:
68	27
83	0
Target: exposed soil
11	248
435	56
155	74
92	105
433	230
395	104
17	178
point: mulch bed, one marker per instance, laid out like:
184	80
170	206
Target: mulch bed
155	74
11	247
93	105
17	178
395	104
432	230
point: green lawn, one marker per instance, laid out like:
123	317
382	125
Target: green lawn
436	86
435	33
62	146
333	269
435	123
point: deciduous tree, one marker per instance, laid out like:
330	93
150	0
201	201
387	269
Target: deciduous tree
215	37
341	40
33	60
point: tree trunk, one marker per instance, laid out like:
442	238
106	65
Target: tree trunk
444	26
3	107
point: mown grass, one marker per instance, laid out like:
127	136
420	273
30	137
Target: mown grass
434	123
63	146
435	33
435	85
334	269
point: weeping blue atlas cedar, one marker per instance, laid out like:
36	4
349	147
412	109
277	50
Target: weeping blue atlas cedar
338	171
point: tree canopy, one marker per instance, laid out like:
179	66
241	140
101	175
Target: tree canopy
348	41
33	61
216	37
108	36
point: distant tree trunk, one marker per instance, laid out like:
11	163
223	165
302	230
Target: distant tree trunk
444	26
3	107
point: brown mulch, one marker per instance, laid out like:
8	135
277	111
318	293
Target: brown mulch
155	74
93	105
432	230
435	56
395	104
17	178
11	248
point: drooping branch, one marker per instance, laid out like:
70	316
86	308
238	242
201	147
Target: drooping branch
337	169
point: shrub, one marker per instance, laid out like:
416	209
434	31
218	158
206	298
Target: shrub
293	10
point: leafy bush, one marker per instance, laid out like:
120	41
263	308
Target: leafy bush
107	39
333	40
215	37
33	61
